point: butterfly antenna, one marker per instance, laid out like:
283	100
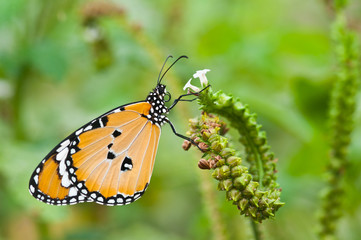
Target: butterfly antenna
160	73
183	56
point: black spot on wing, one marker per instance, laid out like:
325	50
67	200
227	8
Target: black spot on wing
110	155
127	164
101	122
116	133
104	120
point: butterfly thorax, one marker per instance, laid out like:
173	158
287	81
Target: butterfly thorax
158	108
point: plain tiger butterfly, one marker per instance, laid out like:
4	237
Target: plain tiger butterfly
110	159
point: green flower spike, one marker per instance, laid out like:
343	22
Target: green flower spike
234	178
341	116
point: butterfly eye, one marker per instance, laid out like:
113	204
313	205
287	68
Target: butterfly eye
168	97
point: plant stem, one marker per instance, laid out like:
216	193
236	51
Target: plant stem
17	101
257	233
209	196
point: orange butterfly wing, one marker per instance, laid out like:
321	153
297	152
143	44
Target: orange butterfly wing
109	160
50	184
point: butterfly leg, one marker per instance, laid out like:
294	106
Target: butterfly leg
182	136
186	100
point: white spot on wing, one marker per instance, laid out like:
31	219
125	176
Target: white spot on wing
65	181
78	132
62	167
63	145
61	155
88	128
36	179
73	192
128	166
32	189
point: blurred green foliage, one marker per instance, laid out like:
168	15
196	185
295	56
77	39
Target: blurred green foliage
57	72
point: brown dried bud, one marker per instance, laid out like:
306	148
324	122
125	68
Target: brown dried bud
213	163
203	164
203	146
186	145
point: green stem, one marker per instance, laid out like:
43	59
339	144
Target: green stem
17	101
217	225
256	230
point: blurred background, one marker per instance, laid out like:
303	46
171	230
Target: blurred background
63	63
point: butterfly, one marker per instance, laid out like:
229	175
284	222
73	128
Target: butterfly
110	159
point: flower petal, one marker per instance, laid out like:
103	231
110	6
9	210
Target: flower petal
189	85
201	74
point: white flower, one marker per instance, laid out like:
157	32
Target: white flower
201	74
189	85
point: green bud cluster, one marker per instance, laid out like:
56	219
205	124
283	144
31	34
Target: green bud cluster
258	154
233	177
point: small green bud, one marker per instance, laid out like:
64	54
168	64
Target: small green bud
242	181
221	172
238	106
224	99
206	135
213	137
275	194
268	212
233	161
220	162
234	195
255	201
260	193
225	171
252	211
239	170
216	174
277	204
223	141
227	152
250	189
226	184
263	202
243	204
216	146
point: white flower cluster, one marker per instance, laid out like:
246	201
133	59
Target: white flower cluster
201	74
